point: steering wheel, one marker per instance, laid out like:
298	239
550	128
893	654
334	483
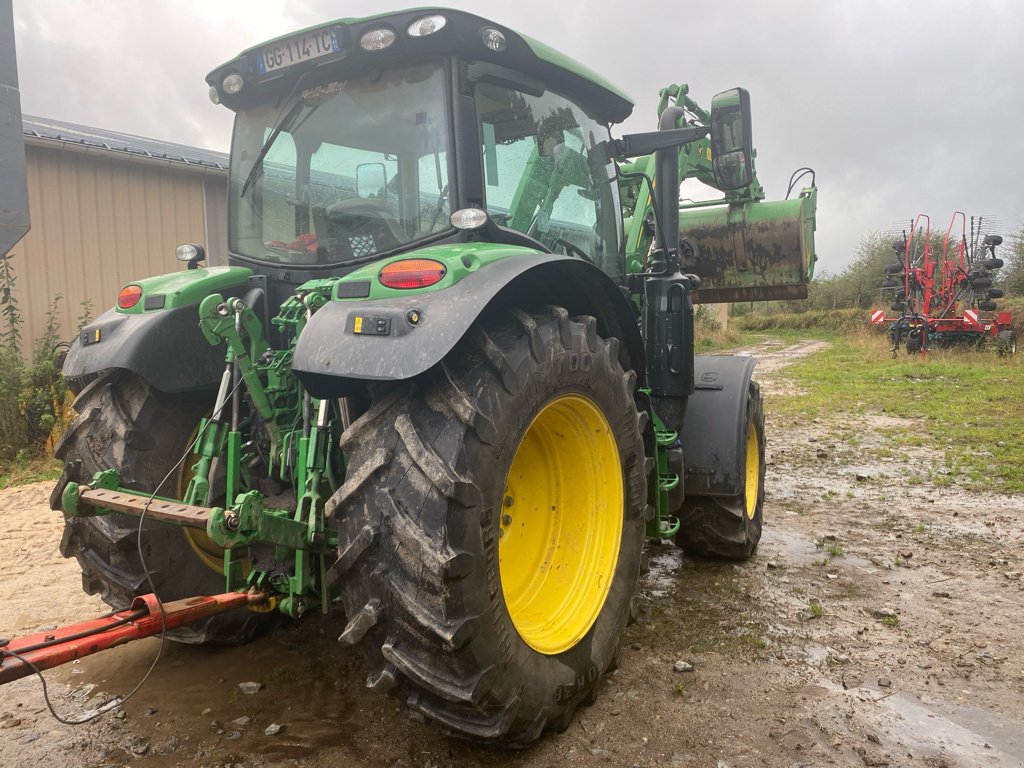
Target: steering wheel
571	249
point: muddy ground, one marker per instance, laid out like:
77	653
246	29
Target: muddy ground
880	623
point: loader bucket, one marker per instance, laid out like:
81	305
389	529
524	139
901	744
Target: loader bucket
761	251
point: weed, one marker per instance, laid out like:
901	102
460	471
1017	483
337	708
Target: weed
891	621
32	396
815	609
830	545
276	676
29	467
680	688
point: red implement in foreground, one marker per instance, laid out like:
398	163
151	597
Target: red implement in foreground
60	646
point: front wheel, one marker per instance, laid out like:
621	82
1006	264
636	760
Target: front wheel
491	525
730	526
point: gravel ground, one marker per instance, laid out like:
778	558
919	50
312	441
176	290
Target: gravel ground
878	624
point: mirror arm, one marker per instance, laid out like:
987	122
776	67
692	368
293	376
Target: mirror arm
640	144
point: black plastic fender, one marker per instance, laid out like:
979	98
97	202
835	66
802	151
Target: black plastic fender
166	348
712	437
402	337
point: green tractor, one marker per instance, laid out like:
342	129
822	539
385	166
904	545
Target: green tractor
447	379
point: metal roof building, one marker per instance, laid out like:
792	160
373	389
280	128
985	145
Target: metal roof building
108	208
38	131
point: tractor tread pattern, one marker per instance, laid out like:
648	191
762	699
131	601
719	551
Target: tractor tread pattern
127	424
434	635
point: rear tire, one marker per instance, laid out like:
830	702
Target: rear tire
127	425
1006	343
730	527
437	478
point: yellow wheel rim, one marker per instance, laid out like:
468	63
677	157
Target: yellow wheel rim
753	470
561	524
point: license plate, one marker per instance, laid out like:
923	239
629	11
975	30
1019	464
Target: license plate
297	50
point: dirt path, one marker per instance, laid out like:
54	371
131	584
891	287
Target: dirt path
879	624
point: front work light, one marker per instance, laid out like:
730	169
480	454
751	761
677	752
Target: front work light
428	25
377	39
233	83
494	39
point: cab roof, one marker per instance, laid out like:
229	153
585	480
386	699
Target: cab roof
460	35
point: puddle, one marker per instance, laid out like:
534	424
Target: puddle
975	736
192	704
790	548
661	580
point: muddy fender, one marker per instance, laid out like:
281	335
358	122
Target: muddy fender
165	348
350	342
713	431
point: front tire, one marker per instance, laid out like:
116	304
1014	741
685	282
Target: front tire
730	527
491	525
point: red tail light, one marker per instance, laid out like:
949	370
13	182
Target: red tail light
412	273
129	296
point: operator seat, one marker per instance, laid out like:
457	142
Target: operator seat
366	224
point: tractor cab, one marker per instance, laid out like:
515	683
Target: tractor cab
367	138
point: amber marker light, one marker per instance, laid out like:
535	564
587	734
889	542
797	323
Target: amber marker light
412	273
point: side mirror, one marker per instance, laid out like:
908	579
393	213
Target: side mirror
372	180
732	145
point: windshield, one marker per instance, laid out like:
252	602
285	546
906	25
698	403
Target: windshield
341	171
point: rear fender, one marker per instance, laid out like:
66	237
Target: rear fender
351	342
163	346
713	438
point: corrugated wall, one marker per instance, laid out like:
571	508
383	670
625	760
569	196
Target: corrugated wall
98	222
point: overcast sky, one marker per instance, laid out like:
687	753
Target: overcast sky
900	107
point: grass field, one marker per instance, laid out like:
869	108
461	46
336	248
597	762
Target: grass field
966	406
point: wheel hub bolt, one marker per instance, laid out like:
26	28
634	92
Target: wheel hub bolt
506	520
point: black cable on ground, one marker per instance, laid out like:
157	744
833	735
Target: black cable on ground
117	701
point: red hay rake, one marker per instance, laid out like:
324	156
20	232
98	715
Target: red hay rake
947	301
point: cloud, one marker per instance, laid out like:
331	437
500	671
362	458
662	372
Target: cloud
900	107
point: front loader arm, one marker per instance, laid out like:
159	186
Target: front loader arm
742	247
